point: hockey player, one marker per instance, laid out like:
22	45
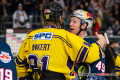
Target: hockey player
7	64
79	22
54	50
117	65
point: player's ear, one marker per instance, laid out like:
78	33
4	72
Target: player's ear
60	18
84	26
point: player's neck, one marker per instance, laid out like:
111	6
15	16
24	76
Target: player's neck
82	34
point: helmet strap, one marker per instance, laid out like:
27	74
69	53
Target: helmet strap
61	24
82	29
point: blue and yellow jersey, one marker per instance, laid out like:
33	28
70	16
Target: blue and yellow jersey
55	50
117	64
96	67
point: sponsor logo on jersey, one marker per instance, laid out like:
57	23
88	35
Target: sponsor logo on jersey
73	74
4	57
43	36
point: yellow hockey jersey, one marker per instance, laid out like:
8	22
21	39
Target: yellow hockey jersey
117	64
55	50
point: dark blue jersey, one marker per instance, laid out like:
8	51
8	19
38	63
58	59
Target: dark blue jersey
96	67
7	64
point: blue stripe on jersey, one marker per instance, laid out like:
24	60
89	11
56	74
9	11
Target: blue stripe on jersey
19	58
99	50
98	45
87	44
117	67
69	63
100	53
60	37
23	78
21	66
117	70
86	56
31	36
18	62
78	53
83	54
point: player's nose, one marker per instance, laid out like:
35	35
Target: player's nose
71	23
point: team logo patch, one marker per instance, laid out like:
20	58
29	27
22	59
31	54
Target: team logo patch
47	11
72	74
103	55
89	15
47	16
4	57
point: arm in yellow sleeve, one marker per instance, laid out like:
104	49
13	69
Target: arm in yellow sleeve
20	65
117	65
94	53
79	50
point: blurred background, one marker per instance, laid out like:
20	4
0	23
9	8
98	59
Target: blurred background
106	14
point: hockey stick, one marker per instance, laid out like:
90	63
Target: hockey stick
109	46
106	37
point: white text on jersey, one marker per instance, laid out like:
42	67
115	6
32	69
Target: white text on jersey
43	36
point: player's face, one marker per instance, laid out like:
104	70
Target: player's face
74	25
115	44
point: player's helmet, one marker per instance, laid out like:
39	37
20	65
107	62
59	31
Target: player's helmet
84	16
52	11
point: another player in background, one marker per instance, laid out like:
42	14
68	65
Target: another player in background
7	64
79	22
55	50
117	65
110	59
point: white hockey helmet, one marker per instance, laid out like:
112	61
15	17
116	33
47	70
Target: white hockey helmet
84	16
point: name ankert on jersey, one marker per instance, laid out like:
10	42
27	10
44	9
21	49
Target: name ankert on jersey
41	47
